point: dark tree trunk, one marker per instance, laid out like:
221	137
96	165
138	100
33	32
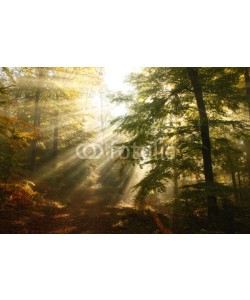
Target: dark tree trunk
175	175
240	185
233	175
205	138
234	179
247	82
176	206
236	195
175	186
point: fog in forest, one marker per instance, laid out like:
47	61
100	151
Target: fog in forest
124	150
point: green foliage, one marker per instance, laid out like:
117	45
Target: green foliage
202	189
163	111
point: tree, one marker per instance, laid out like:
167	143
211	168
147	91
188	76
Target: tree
186	109
56	101
247	86
205	137
37	116
14	134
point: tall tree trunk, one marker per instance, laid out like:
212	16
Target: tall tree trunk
233	175
240	185
55	140
176	175
234	179
236	195
176	206
37	121
205	138
247	82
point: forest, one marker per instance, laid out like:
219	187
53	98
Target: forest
169	155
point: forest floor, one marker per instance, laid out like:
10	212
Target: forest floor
97	212
55	219
51	219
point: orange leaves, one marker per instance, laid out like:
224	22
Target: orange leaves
21	196
20	199
18	133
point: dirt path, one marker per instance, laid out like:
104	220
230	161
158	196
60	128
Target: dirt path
53	220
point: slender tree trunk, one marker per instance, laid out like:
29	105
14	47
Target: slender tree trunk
37	121
175	176
233	176
236	195
234	179
36	124
175	187
240	185
247	82
205	138
55	140
176	207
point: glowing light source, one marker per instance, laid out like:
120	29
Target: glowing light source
119	110
115	78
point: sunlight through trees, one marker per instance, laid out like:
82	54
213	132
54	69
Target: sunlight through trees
172	140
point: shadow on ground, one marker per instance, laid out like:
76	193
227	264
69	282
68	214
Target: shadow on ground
48	219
